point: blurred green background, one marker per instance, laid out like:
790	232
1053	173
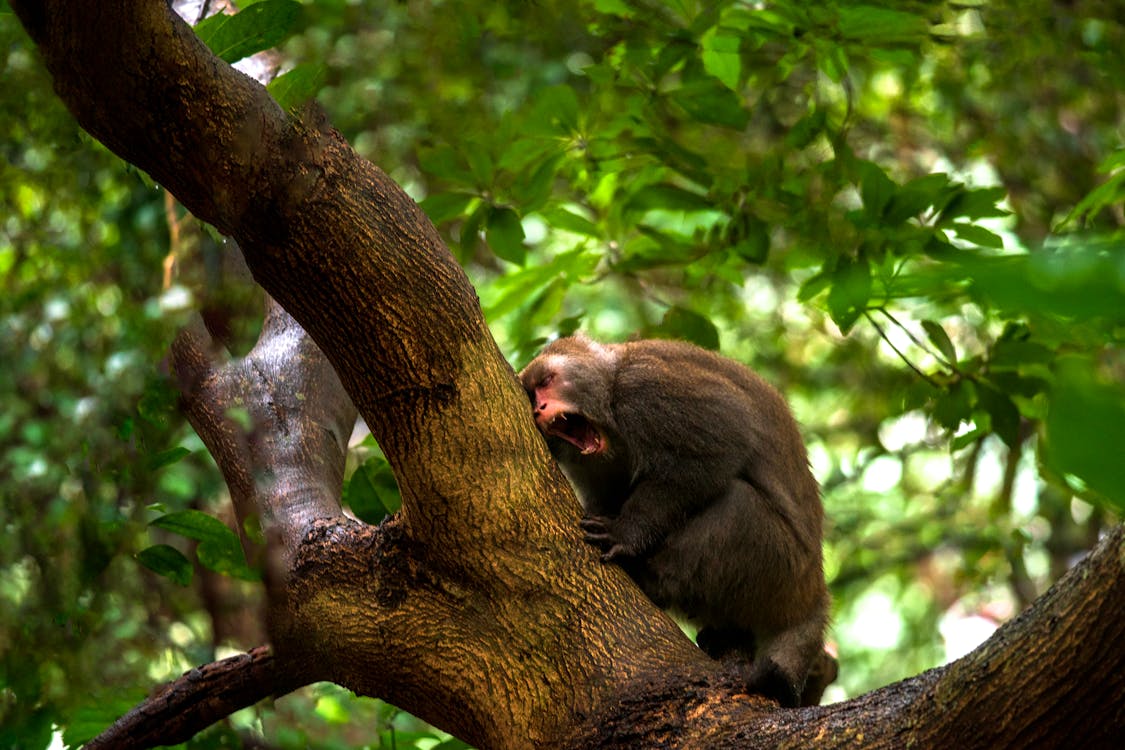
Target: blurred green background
907	215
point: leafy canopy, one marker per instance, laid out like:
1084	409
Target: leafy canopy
907	215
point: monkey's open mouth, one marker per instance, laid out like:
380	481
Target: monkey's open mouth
578	431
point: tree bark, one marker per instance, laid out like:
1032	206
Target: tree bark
478	607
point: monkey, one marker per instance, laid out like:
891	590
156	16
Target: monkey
694	478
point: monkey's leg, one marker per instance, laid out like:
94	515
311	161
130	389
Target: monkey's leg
785	662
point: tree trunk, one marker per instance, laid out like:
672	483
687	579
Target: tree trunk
478	607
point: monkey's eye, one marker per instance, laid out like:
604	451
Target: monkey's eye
547	379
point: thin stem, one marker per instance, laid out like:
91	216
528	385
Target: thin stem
903	357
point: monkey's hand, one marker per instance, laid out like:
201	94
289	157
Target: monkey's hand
600	533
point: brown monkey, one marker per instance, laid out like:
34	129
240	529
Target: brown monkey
694	478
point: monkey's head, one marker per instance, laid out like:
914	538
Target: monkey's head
569	387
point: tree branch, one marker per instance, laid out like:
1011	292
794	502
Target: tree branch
1009	693
288	467
198	699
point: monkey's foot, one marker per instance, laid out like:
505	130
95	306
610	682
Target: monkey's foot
767	678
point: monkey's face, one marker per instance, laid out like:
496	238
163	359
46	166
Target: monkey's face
566	401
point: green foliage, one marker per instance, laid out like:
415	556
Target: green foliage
1085	415
219	548
297	86
907	215
372	492
1108	195
88	428
167	561
691	170
261	26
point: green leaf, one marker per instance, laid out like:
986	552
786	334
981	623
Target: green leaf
974	204
504	234
470	231
614	7
523	154
978	236
441	207
707	101
653	249
166	561
1114	161
295	87
876	188
915	197
955	405
30	728
1109	193
1081	281
568	221
806	130
360	495
372	491
721	56
168	457
874	25
554	111
1005	417
667	197
157	404
196	525
940	339
1027	357
522	285
773	23
261	26
89	720
219	548
968	438
226	558
832	60
533	190
480	165
850	292
814	285
754	246
443	161
681	323
1086	430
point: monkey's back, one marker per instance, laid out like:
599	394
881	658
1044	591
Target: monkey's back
697	403
748	556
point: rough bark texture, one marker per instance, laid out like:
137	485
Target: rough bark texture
178	710
478	607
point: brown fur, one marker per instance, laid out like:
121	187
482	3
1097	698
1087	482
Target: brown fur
695	479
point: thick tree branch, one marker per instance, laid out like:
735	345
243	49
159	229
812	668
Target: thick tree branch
389	306
199	698
489	521
288	467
